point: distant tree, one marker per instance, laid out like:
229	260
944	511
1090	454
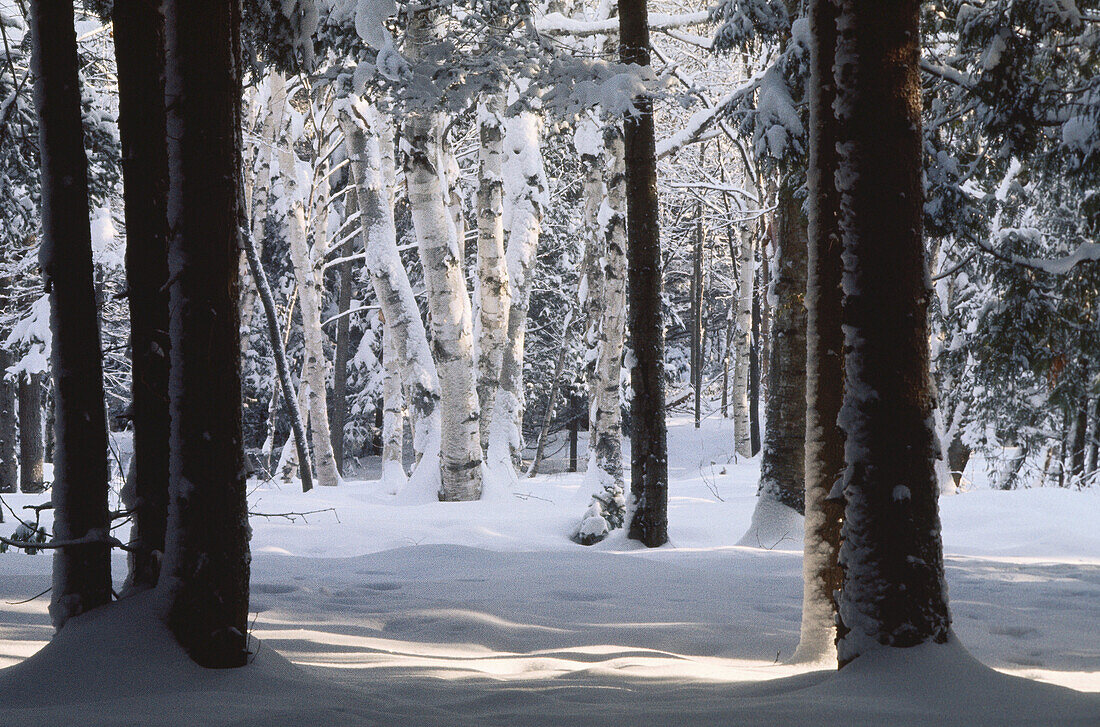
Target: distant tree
206	568
82	567
891	552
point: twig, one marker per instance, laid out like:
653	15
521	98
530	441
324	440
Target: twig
293	516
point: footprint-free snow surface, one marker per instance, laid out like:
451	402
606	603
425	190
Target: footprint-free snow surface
485	613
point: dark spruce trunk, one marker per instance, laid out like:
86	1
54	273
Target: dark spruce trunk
340	360
206	568
891	552
649	448
82	572
824	461
958	454
139	55
9	460
31	446
782	475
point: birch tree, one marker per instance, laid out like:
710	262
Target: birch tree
368	136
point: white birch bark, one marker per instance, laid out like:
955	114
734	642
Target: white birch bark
493	293
405	342
524	199
742	337
604	477
308	274
393	414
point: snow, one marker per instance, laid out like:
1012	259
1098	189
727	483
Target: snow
486	613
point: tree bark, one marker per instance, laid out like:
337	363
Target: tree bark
649	446
9	429
205	574
494	293
343	348
139	55
31	446
697	315
754	369
369	143
81	573
894	592
782	473
824	458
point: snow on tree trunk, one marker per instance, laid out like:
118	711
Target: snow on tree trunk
821	576
524	199
367	136
204	576
81	571
393	414
742	337
308	273
274	104
493	292
649	445
781	494
139	52
31	447
894	592
604	298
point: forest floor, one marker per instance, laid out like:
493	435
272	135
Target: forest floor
486	613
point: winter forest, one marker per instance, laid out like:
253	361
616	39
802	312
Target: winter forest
556	362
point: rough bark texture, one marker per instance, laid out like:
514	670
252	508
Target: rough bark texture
525	197
821	576
307	272
608	240
139	54
894	592
369	154
31	447
782	477
494	293
649	446
81	572
204	578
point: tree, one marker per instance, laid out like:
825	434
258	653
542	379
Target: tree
82	566
824	458
139	56
891	552
206	568
31	445
649	446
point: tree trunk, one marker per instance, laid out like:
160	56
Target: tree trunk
604	479
494	294
31	449
343	348
1078	444
393	414
205	573
824	447
958	454
139	54
782	473
9	429
649	446
525	198
310	298
744	419
697	315
894	592
754	370
81	572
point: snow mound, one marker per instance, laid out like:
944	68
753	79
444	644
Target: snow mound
774	526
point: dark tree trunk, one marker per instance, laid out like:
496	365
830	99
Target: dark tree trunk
697	316
207	561
782	476
754	369
649	446
891	549
31	459
1077	439
824	460
82	572
139	55
958	454
340	362
9	462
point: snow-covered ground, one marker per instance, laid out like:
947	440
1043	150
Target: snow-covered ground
486	613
